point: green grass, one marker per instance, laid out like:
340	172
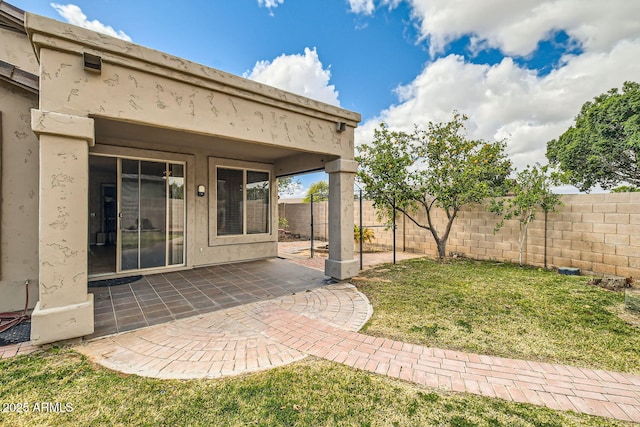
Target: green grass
308	393
504	310
482	307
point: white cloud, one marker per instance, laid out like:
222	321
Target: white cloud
366	7
270	4
301	74
74	15
516	27
508	101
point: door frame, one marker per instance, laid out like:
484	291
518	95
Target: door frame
118	184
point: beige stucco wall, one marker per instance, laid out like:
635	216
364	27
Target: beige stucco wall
19	211
146	86
19	230
16	50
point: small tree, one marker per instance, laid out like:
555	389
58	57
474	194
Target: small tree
434	168
319	190
531	190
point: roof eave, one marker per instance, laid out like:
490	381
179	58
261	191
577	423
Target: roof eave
18	77
61	36
12	17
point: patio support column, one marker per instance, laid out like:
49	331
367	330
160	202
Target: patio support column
65	308
341	264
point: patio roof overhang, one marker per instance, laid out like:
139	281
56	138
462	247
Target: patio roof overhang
151	88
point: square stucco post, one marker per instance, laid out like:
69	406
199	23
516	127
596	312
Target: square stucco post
65	308
341	264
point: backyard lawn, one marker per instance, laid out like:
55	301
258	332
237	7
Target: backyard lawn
482	307
308	393
504	310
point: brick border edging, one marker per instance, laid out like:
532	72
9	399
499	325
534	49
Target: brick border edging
594	392
13	350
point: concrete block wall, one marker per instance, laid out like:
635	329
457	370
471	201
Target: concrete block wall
298	216
597	233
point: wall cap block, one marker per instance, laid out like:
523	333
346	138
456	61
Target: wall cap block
65	125
341	165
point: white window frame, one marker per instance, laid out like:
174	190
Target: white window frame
214	238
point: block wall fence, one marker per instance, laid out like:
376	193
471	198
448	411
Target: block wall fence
598	233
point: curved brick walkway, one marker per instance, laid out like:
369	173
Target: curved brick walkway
226	342
323	323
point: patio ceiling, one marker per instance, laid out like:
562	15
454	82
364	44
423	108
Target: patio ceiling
123	133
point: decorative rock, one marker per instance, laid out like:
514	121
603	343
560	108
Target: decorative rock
612	283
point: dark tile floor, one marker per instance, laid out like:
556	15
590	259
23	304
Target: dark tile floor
164	297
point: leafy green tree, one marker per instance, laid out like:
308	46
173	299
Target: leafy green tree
438	167
319	190
288	185
626	189
531	191
603	146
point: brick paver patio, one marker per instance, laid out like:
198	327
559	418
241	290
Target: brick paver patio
323	322
163	297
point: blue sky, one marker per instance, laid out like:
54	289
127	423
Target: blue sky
519	69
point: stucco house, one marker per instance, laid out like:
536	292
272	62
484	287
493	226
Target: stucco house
118	159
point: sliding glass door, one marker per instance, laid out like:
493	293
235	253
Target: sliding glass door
151	214
136	214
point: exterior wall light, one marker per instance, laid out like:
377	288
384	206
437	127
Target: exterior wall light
201	190
341	126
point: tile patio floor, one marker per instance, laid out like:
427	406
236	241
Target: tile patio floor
160	298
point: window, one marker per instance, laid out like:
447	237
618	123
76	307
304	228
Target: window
243	202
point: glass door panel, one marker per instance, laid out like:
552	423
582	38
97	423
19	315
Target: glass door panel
129	214
176	214
153	214
103	212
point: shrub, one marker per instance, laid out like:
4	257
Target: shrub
367	234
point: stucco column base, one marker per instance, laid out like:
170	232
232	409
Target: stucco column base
341	270
62	323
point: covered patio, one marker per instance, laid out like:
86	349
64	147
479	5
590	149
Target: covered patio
155	166
160	298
